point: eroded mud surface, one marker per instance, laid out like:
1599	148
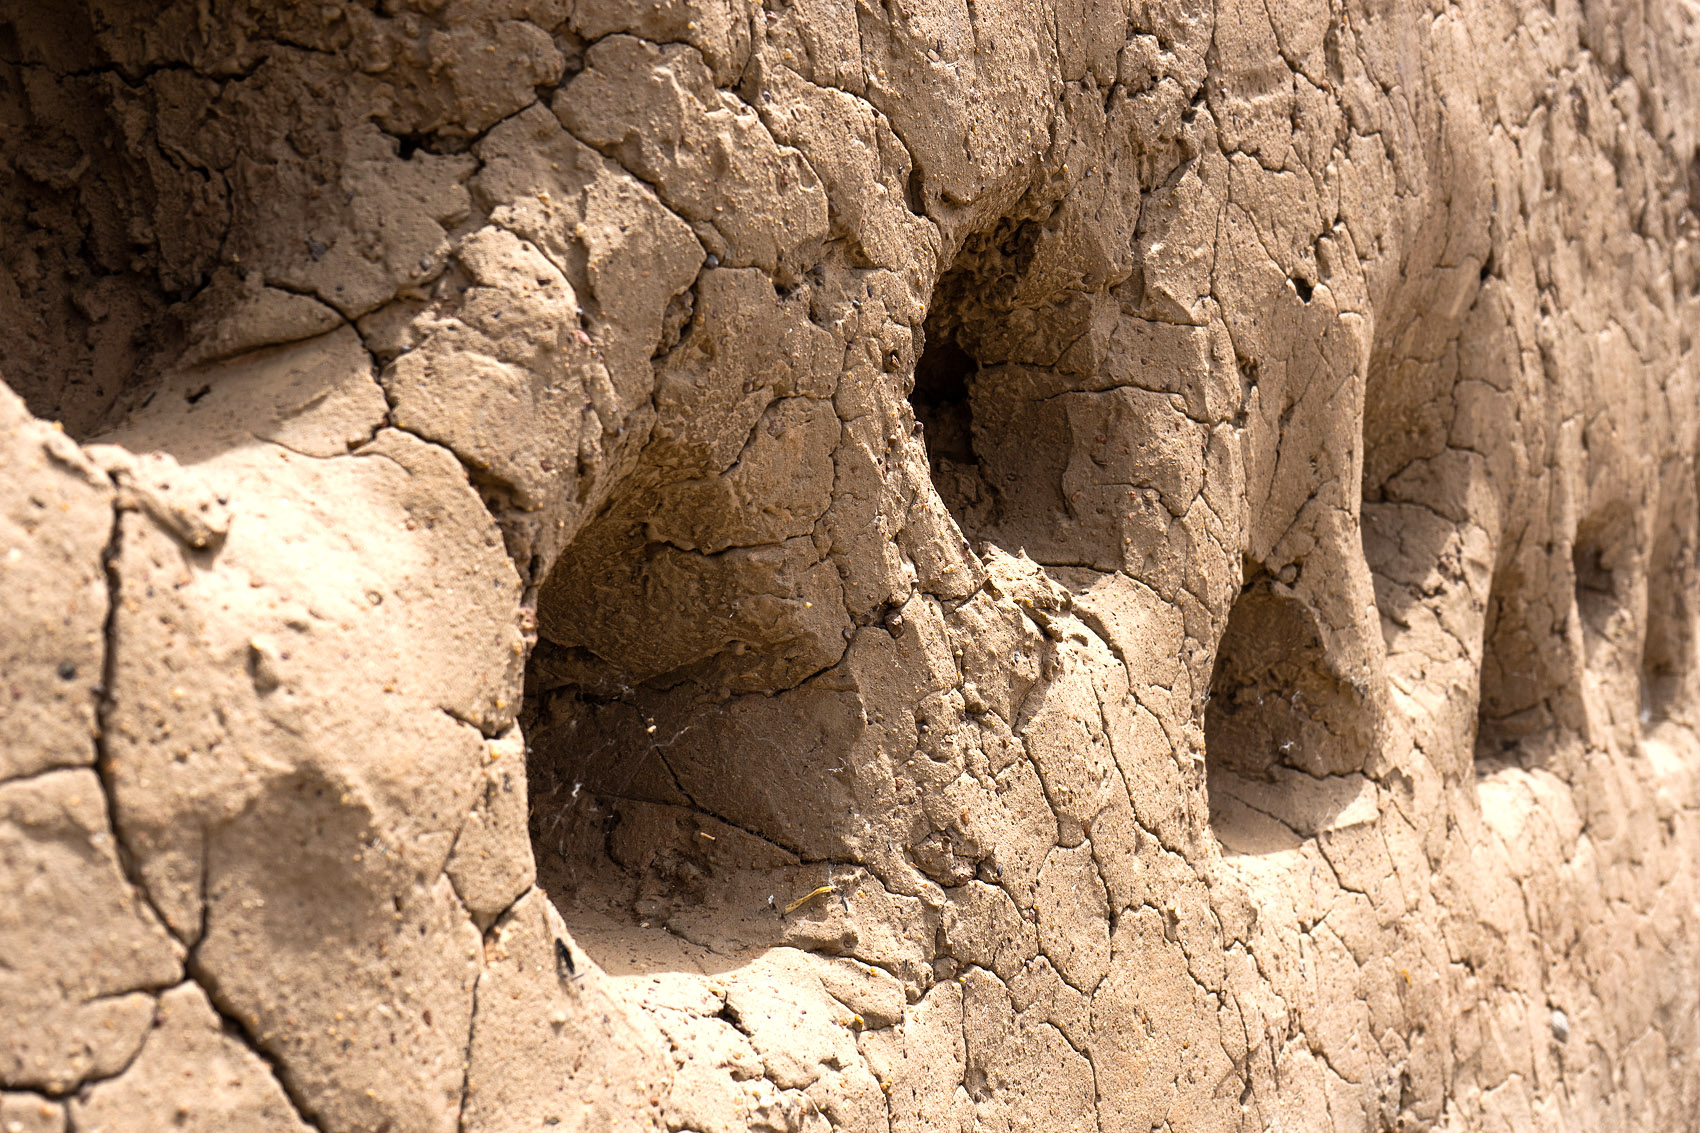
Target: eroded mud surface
930	566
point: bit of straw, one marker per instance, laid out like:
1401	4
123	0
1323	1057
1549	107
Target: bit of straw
807	897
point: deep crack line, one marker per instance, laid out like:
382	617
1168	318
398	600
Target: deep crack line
232	1025
104	708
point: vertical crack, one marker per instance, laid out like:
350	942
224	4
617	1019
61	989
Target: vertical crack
106	703
236	1029
104	706
472	1032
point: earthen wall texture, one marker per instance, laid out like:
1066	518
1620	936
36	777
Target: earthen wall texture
923	565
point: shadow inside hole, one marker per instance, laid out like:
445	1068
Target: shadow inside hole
675	830
1608	563
1003	440
1599	604
1667	649
1511	701
984	445
1284	738
940	399
1543	678
1636	609
944	374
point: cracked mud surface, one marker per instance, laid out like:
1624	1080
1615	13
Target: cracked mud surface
704	567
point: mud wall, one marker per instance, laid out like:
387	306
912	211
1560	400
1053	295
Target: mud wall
991	565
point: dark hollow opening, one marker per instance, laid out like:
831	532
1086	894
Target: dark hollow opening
1258	716
1603	559
1526	670
93	284
943	406
1667	651
1596	586
1278	722
1508	680
940	399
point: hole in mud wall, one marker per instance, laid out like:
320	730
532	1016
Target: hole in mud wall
1537	667
979	320
1694	183
1526	694
1599	604
680	756
1031	445
1667	650
1510	691
1266	685
1275	707
666	817
943	376
987	346
611	827
1606	558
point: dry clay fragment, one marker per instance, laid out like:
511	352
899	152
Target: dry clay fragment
921	1065
655	110
30	1113
805	1037
353	635
375	228
551	1046
80	953
316	397
359	770
491	864
233	320
460	81
507	380
175	497
191	1075
351	973
626	256
55	519
503	380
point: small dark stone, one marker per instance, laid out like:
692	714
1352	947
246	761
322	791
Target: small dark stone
67	671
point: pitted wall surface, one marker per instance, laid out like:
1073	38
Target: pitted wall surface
953	565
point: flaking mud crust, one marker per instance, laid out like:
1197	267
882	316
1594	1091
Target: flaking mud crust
708	567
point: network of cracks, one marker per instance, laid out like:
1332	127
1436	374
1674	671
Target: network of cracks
673	818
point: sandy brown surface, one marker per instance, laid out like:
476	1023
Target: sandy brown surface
1004	565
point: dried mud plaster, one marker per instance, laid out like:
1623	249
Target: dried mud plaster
996	565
